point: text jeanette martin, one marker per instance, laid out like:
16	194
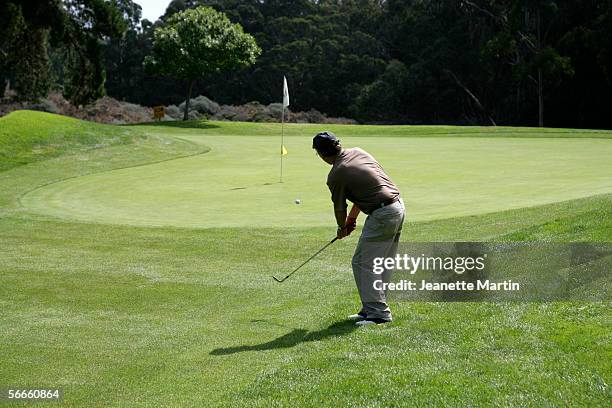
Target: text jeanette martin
407	285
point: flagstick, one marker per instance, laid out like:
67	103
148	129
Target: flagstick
282	143
285	104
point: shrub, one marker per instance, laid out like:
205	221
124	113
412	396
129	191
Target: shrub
202	105
263	117
275	110
194	115
242	117
173	111
341	121
312	116
109	110
227	112
45	105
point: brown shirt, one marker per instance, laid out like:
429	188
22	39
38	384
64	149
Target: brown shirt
357	176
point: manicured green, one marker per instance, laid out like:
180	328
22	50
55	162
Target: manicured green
237	183
126	315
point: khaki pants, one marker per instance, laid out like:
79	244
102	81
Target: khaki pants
379	238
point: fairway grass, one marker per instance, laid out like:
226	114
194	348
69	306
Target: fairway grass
121	314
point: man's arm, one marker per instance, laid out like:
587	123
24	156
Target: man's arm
338	196
340	217
351	220
355	210
341	221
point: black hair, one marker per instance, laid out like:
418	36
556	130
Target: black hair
326	144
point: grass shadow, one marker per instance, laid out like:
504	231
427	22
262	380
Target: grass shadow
293	338
264	184
189	124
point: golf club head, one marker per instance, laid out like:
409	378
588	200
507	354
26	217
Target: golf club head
305	262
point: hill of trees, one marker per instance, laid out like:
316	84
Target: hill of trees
517	62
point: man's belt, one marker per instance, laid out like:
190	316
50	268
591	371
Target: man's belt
390	201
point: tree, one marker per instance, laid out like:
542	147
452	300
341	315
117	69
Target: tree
464	62
384	98
523	42
198	42
24	36
532	23
123	56
32	28
89	24
327	49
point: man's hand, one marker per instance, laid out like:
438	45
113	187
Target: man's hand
351	224
342	232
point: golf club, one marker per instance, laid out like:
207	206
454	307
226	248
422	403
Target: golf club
305	262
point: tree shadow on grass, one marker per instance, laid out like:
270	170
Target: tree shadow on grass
293	338
189	124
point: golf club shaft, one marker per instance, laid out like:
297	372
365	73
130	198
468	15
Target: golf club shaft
308	260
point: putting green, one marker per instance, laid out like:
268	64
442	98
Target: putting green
236	183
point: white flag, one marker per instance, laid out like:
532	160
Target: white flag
285	93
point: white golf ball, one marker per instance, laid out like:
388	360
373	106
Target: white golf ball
298	201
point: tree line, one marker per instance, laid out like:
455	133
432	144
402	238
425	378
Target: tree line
516	62
47	43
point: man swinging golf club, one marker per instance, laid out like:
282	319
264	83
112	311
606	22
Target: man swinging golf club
356	176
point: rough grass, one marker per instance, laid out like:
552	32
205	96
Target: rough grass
27	136
119	315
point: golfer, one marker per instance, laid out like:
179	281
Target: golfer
356	176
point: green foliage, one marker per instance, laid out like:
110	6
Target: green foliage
123	61
467	62
200	41
390	90
77	27
11	22
327	50
87	28
85	76
24	39
32	64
